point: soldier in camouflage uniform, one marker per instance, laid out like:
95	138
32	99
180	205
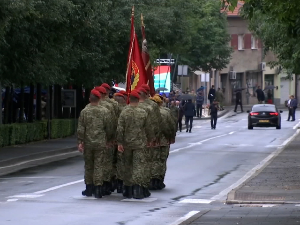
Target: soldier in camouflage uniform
108	156
120	98
167	135
174	112
156	127
149	150
133	137
92	132
125	95
114	149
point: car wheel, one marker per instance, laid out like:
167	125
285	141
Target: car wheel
278	127
250	127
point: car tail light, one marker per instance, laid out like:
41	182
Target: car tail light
274	114
254	114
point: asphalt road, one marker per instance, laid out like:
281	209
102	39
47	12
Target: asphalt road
202	168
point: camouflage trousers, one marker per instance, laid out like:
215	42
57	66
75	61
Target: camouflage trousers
108	163
159	162
135	167
114	161
120	166
93	165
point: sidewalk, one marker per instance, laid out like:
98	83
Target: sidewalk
277	183
14	158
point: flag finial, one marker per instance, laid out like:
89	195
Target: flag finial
142	19
132	11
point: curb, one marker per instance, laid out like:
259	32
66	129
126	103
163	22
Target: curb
32	160
231	195
193	218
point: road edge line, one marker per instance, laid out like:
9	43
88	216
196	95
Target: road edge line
258	169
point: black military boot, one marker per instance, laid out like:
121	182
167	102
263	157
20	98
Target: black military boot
113	184
106	188
157	184
146	192
119	186
152	186
161	184
98	192
88	190
138	192
127	191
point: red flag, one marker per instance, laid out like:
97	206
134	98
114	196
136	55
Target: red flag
146	60
135	74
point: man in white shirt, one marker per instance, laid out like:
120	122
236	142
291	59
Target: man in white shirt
289	108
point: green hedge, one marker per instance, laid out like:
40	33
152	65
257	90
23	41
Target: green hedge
22	133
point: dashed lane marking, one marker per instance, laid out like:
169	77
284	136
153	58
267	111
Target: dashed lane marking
197	201
26	196
185	217
12	200
139	200
59	186
84	198
232	132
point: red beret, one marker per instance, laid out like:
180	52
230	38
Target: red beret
101	89
135	94
105	85
143	90
119	94
123	92
95	93
146	87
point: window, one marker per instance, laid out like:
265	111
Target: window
241	42
253	42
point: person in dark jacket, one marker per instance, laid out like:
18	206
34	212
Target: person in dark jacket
189	112
213	109
180	114
260	95
199	102
211	94
238	100
293	107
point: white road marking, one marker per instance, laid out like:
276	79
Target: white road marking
184	218
239	145
297	205
232	132
11	178
256	168
196	127
26	196
273	146
197	143
196	201
296	126
12	200
268	206
59	186
139	200
34	160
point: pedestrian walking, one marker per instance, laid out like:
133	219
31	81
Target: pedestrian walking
199	102
288	104
133	136
92	132
189	111
180	115
238	101
213	109
260	95
211	94
293	107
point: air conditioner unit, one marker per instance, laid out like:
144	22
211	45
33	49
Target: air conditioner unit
263	66
232	75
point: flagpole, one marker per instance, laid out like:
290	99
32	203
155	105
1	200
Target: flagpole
130	55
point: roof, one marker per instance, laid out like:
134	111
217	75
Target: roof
236	11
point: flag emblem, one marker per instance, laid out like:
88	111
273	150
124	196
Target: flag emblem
135	76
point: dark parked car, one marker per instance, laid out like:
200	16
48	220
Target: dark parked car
264	115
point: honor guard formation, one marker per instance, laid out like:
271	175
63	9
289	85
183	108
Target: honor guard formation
125	146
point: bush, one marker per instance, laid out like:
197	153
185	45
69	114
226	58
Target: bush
22	133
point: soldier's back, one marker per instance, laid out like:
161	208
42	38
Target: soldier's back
133	123
94	119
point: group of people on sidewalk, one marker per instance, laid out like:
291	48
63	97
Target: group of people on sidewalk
125	146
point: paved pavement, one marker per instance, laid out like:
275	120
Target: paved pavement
203	167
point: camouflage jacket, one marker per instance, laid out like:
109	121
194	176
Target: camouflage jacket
173	125
156	119
93	126
167	127
151	115
174	112
133	128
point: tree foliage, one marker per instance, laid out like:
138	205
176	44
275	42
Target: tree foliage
86	42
